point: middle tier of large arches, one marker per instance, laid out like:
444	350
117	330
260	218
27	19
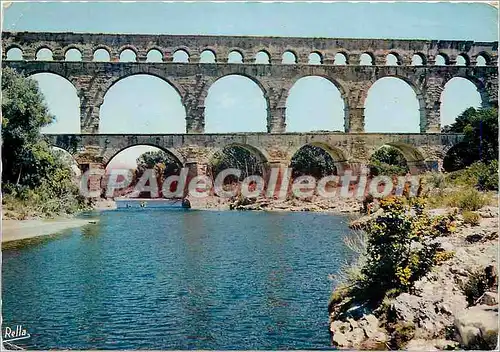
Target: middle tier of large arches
348	88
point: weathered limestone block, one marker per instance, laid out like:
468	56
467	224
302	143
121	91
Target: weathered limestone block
478	327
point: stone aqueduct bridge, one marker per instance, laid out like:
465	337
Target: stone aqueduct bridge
193	79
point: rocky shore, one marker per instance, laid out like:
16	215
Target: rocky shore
455	306
313	204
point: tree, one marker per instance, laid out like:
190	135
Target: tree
35	180
480	143
388	161
236	157
24	113
313	161
164	164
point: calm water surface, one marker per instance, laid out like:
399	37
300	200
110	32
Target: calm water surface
158	279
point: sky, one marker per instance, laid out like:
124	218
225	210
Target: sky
144	104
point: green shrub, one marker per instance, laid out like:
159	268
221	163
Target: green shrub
441	257
400	249
380	168
388	161
443	225
339	294
467	199
435	180
475	286
401	334
471	218
483	176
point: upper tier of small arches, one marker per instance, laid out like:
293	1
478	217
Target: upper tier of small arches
248	50
130	54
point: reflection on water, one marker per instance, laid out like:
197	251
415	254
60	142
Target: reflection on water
157	279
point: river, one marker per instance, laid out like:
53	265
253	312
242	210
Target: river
177	279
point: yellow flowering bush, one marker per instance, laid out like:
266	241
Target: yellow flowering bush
400	247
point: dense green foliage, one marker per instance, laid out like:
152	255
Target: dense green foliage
236	157
162	162
483	176
164	165
399	249
388	161
465	198
313	161
480	143
309	160
35	180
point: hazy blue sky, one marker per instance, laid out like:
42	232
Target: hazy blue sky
145	104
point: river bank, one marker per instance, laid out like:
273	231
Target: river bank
14	230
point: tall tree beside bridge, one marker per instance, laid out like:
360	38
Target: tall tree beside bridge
480	143
35	180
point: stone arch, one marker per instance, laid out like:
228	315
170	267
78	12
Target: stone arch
415	158
13	48
336	153
63	100
232	56
367	59
289	55
128	47
44	49
160	88
72	49
260	154
154	51
453	109
110	153
263	57
418	59
208	52
102	49
441	59
418	94
315	58
462	60
115	80
70	158
339	156
393	59
181	55
341	58
204	93
478	83
485	56
126	51
70	79
72	46
336	84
